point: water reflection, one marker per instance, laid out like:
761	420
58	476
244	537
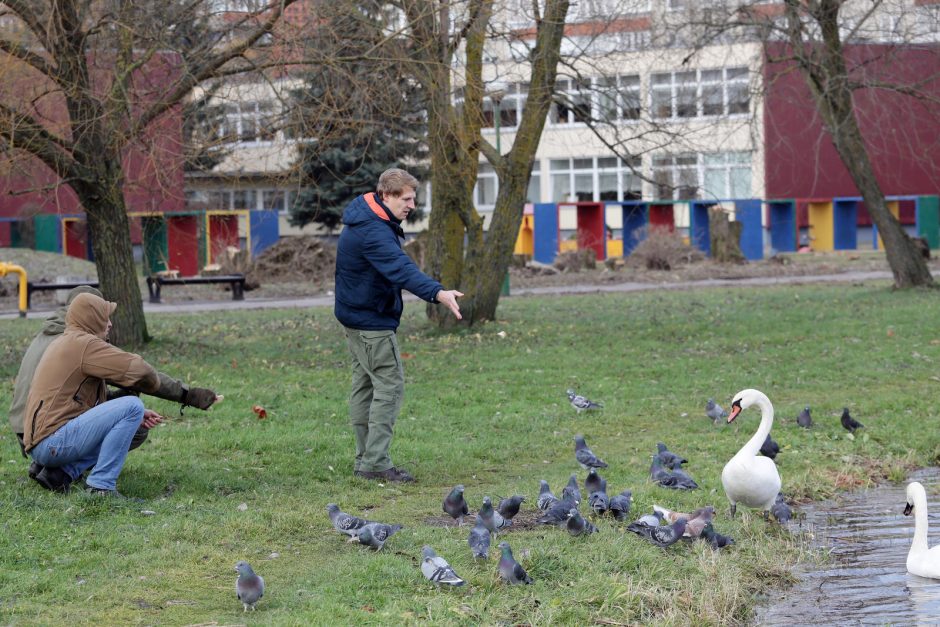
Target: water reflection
866	579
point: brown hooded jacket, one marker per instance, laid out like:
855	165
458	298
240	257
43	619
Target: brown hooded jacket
70	377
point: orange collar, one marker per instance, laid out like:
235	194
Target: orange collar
375	206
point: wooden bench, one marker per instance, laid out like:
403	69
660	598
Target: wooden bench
237	281
45	287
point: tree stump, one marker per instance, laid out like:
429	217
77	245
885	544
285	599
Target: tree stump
724	237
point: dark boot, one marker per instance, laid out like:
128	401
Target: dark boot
54	479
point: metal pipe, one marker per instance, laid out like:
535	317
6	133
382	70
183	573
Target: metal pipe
6	268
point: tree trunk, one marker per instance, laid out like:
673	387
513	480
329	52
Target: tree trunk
724	237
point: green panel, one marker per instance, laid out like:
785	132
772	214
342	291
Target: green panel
48	234
928	219
155	245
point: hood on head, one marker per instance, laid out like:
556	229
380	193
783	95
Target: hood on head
90	314
55	324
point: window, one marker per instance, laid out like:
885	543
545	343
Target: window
676	177
718	176
700	93
247	122
727	175
510	106
594	179
487	187
572	102
618	98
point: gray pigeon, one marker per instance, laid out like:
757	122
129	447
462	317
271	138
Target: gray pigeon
598	500
675	479
577	525
571	491
509	507
586	456
546	498
619	505
509	569
670	460
715	539
580	403
805	420
851	424
769	448
343	522
492	520
455	505
664	535
436	569
647	520
557	514
375	534
249	587
592	483
780	510
479	540
714	411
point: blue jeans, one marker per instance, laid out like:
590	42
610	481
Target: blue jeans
100	437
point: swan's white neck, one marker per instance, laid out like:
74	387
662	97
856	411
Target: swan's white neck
766	422
920	522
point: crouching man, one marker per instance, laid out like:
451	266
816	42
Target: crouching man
69	425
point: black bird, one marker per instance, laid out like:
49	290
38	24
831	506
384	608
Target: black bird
598	500
619	505
804	419
670	460
769	448
715	539
592	483
509	507
455	505
780	510
850	424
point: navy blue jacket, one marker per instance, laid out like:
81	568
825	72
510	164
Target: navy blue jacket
372	268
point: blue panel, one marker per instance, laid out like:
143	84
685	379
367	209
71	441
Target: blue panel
699	233
635	218
845	223
545	232
747	212
783	225
265	230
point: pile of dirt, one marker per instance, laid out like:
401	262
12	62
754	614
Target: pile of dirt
300	259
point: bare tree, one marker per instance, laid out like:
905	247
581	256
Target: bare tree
99	79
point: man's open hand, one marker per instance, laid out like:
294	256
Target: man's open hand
449	299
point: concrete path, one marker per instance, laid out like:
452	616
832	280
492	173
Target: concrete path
327	301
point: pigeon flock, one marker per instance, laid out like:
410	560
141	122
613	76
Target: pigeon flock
662	527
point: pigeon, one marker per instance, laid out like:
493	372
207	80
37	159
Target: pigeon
455	505
249	587
715	539
670	460
769	448
592	483
585	456
675	479
509	569
714	411
510	507
492	519
571	490
375	534
851	424
580	403
619	505
695	521
479	540
640	525
780	510
804	419
557	514
577	525
436	569
664	535
546	498
598	500
343	522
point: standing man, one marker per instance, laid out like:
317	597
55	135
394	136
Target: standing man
371	270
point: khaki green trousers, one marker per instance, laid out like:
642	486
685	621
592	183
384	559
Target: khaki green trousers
378	386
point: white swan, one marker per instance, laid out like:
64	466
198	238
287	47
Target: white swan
748	479
921	560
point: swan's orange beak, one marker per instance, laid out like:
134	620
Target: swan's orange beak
735	410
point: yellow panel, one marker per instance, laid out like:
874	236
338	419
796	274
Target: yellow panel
614	248
821	234
895	208
567	245
525	242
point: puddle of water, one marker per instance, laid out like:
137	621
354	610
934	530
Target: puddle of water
866	579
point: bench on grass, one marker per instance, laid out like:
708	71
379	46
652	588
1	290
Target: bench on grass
237	281
32	286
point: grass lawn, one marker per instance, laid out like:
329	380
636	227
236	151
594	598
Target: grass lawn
487	408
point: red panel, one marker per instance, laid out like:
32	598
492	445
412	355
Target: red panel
224	232
75	242
182	235
5	235
592	228
663	215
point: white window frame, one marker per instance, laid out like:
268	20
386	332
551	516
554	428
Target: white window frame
667	84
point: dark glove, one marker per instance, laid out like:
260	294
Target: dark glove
201	398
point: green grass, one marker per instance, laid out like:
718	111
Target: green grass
484	407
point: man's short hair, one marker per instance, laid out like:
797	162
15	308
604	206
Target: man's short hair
393	182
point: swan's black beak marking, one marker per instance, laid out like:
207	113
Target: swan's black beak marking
908	508
735	410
